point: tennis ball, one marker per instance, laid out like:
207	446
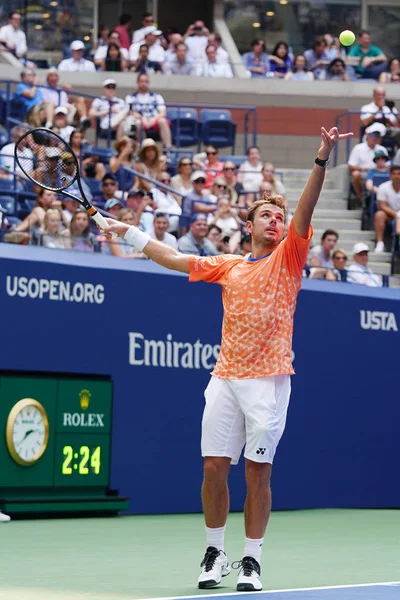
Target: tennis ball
347	38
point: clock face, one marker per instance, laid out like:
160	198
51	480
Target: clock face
27	431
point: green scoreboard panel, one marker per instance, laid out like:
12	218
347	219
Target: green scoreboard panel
55	447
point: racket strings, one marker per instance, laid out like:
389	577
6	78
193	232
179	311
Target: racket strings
53	166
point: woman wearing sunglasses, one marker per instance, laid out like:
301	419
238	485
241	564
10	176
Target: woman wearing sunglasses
181	181
213	166
339	259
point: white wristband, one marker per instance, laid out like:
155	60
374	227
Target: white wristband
137	238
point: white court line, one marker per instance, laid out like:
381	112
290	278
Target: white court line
289	590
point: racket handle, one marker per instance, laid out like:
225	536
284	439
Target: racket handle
101	222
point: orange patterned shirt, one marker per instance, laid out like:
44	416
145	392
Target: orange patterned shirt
259	299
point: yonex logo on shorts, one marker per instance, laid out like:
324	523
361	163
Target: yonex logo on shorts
261	451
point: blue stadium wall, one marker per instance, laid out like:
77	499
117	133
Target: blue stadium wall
98	316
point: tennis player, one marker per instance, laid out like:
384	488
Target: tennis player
248	395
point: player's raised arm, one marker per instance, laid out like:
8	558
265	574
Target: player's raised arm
161	253
309	197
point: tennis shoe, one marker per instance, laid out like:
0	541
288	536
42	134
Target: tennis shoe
4	518
214	566
249	575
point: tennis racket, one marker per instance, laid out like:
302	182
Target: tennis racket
54	167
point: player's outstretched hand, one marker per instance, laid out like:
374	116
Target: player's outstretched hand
329	139
115	227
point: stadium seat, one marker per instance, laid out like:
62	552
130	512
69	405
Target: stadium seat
184	126
217	128
6	185
8	203
4	137
238	159
103	135
104	154
17	109
94	185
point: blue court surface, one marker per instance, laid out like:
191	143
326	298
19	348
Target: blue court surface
372	591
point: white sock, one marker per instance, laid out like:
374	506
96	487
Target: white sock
215	536
253	548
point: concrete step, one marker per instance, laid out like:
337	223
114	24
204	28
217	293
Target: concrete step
380	268
394	281
350	235
299	182
334	203
295	193
337	213
338	224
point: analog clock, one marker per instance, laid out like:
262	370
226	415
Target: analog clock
27	432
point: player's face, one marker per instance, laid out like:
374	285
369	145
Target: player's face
268	226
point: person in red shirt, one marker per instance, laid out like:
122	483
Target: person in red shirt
124	30
248	394
212	166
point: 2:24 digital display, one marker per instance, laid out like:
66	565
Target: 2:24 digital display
82	459
85	460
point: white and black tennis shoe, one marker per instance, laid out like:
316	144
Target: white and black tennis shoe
249	575
214	566
4	518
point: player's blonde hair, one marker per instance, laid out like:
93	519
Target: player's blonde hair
276	200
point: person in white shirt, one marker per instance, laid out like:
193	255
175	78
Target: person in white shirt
7	160
174	40
378	111
196	39
160	228
362	156
178	64
149	110
101	52
156	51
61	123
222	55
211	68
167	203
12	36
101	108
57	95
77	63
147	21
250	172
359	271
388	197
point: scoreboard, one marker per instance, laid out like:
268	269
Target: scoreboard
56	445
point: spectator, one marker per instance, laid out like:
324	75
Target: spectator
114	60
214	235
211	68
218	189
143	206
60	122
245	244
102	40
119	247
279	60
148	163
256	61
268	174
332	46
78	235
57	95
7	160
143	64
215	40
161	227
299	70
234	187
68	210
378	111
359	271
225	217
212	166
166	202
339	261
156	52
139	34
124	30
35	220
392	75
109	187
195	241
113	206
174	40
149	110
196	200
181	181
381	168
178	64
336	71
110	109
90	163
12	36
249	174
102	52
125	148
368	60
76	62
323	251
50	235
317	57
29	93
361	158
196	40
388	197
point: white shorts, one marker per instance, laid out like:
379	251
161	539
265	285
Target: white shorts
245	411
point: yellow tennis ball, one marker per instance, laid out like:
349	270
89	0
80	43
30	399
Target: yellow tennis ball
347	38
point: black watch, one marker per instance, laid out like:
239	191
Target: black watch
322	163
